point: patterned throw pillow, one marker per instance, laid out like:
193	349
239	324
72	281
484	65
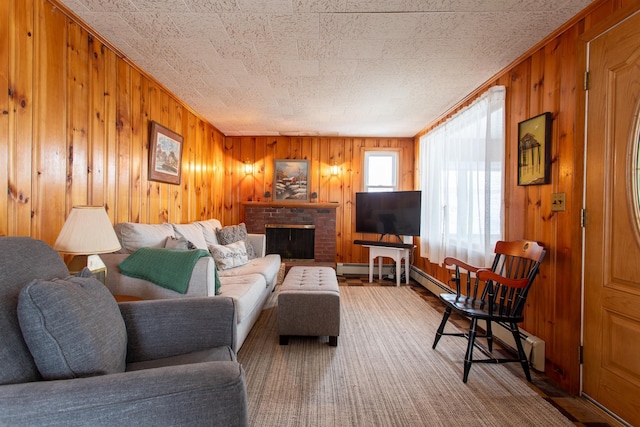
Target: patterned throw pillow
229	256
236	233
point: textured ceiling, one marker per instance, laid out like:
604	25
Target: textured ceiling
323	67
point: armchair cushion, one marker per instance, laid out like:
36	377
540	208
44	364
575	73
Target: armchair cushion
73	328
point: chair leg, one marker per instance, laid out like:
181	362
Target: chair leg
445	317
489	336
468	359
521	354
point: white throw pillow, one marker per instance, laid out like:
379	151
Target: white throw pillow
229	256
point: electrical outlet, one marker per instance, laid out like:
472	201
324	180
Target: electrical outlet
558	202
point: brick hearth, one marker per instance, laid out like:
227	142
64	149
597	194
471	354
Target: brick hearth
323	216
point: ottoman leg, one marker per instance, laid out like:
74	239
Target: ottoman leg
284	339
333	341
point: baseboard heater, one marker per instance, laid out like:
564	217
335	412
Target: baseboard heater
533	346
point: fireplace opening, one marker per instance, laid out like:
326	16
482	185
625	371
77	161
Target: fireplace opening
291	241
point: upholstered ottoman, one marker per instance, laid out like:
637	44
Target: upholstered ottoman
309	304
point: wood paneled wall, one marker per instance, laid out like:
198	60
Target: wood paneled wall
548	78
74	130
347	153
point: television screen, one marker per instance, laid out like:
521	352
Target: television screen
396	213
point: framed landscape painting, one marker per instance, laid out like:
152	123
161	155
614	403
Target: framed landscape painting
290	181
165	155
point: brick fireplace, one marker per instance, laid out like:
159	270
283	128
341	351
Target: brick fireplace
321	215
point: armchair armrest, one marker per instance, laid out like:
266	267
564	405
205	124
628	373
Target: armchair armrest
259	242
201	283
486	274
169	327
212	393
471	272
449	261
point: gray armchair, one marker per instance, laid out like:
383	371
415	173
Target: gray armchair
180	366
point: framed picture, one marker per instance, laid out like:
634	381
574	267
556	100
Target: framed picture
290	180
165	155
534	150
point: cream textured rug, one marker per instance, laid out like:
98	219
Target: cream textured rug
382	373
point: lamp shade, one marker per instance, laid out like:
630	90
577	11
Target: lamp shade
87	231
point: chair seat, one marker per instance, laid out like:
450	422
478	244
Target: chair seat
476	308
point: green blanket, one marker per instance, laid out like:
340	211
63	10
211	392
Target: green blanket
169	268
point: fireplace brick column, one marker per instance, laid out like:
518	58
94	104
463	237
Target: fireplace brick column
257	214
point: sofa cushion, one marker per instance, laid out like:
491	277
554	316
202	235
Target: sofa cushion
268	266
193	233
247	291
134	236
73	328
209	228
236	233
229	256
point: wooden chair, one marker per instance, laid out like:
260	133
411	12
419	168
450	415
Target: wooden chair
493	295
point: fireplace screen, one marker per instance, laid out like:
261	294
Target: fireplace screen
291	241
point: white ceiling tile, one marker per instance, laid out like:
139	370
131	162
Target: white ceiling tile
209	6
153	26
301	67
272	7
199	25
158	5
320	6
277	49
104	6
246	26
300	26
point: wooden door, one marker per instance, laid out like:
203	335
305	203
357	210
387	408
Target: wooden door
611	370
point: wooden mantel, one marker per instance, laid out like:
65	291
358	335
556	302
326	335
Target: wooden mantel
293	205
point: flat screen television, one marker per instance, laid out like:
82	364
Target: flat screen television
394	212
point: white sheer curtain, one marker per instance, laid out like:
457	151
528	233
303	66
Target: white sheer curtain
462	168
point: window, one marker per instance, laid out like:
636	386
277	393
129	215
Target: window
462	174
380	171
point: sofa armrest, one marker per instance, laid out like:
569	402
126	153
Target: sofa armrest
201	283
169	327
259	242
211	393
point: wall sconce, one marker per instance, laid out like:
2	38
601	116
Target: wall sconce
248	167
334	169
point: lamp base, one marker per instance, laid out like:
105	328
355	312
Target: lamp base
93	262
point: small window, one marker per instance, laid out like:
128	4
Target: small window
380	171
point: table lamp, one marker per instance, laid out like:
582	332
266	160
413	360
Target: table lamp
86	233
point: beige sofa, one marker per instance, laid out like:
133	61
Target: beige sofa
249	285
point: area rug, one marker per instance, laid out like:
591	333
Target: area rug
382	373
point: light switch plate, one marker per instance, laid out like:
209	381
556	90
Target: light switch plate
558	202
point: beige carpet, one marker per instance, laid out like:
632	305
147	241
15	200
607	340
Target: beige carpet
382	373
